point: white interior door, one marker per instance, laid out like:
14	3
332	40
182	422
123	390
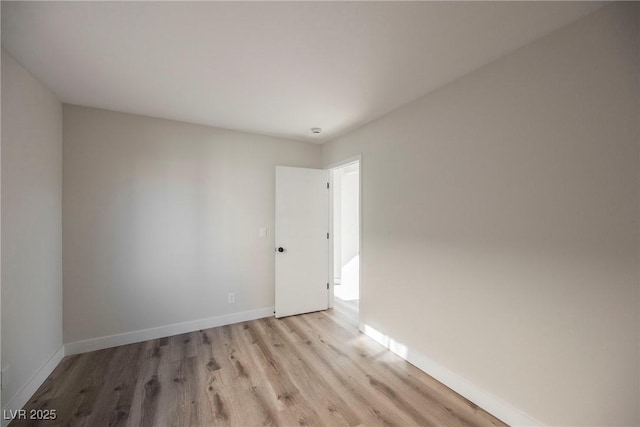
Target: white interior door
302	245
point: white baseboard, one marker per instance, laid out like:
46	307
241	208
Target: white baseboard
22	397
164	331
490	403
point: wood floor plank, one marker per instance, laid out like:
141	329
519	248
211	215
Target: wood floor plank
238	372
308	379
308	370
113	401
144	404
279	377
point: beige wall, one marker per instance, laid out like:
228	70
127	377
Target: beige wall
161	220
31	225
500	224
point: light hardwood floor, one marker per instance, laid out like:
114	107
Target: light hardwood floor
308	370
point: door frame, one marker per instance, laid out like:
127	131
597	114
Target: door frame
331	168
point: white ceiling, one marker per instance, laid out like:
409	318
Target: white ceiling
270	68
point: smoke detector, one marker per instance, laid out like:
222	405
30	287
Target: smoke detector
316	131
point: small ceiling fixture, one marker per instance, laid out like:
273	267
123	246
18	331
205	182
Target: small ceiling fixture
316	131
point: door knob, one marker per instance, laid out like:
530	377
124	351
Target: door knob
280	249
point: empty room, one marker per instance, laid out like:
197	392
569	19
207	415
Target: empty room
320	213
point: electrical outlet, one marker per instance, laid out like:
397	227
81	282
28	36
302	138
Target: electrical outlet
232	298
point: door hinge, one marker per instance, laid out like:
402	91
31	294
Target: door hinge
327	185
327	286
327	235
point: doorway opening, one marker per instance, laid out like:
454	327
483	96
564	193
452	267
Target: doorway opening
345	259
